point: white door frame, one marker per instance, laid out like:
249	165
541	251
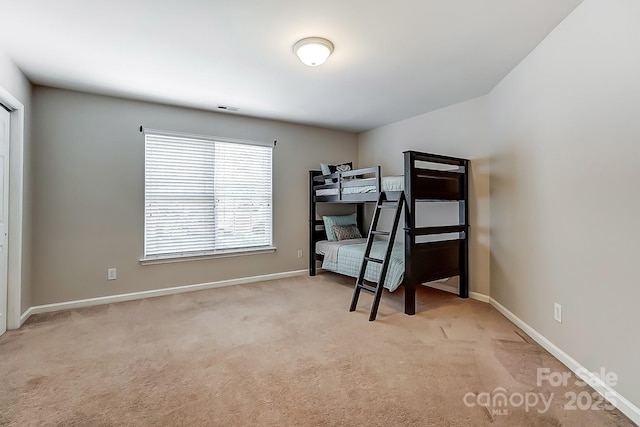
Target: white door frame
16	200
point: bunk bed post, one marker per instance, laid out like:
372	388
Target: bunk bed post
409	225
360	218
312	227
463	287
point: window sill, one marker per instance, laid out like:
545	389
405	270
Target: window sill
221	254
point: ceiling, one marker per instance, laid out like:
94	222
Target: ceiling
392	59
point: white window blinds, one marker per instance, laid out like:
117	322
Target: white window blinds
206	195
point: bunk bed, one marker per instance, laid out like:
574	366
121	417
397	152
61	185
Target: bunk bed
423	257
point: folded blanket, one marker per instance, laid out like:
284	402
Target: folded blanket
331	248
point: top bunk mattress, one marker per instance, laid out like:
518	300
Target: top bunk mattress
389	183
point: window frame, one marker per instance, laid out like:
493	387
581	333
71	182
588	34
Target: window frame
200	255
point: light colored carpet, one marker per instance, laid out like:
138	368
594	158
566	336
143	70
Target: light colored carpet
285	352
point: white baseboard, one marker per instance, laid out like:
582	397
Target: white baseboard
38	309
27	313
623	404
479	297
443	286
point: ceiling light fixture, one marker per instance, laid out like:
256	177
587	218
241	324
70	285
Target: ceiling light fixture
313	51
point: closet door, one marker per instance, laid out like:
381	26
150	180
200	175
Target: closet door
4	213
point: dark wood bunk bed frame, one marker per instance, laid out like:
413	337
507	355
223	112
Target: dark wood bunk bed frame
424	261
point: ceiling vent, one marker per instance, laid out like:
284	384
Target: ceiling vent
227	108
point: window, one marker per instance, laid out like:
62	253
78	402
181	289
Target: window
206	196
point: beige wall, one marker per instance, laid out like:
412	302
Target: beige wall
461	131
555	152
14	82
565	168
88	193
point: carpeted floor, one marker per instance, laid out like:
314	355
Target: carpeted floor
285	352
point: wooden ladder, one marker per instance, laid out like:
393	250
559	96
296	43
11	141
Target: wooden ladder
383	203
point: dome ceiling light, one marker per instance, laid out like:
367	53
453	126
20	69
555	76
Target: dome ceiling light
313	51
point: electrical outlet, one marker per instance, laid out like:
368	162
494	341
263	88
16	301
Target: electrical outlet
299	253
557	312
111	274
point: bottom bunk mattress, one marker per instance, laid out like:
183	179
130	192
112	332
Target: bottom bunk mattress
345	257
